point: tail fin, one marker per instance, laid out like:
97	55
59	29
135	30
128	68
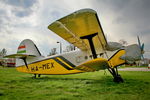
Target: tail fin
26	48
115	59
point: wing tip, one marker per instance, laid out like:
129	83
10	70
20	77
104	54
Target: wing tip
85	10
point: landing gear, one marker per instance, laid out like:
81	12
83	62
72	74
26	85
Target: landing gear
36	74
39	75
117	77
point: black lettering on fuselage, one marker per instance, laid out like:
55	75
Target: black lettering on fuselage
52	65
32	69
36	68
42	67
48	65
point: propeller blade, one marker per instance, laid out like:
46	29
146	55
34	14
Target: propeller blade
142	47
142	56
139	41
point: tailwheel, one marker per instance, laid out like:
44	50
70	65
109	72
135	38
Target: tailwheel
39	75
34	76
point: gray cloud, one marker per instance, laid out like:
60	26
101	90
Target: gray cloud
13	12
120	19
133	13
125	19
22	13
20	8
21	3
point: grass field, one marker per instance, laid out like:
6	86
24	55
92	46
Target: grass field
85	86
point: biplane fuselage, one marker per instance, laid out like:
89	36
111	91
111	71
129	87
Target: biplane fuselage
57	64
68	63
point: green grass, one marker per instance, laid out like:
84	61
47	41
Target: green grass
133	66
85	86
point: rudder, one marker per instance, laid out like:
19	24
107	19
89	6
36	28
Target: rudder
27	47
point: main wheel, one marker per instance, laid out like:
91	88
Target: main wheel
118	79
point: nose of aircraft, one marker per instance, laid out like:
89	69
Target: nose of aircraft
133	53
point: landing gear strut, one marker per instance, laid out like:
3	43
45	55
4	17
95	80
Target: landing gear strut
36	74
117	77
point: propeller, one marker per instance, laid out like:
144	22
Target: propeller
141	47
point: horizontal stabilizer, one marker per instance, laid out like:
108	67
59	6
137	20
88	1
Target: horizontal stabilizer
18	56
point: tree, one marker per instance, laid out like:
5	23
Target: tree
69	48
3	52
123	42
53	52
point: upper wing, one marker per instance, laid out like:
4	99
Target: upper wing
78	24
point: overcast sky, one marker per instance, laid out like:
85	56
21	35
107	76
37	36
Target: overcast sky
29	19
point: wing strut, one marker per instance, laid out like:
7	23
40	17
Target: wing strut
89	38
25	62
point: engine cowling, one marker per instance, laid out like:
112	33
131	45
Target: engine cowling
133	53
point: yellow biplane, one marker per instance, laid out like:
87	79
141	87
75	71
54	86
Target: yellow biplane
82	29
